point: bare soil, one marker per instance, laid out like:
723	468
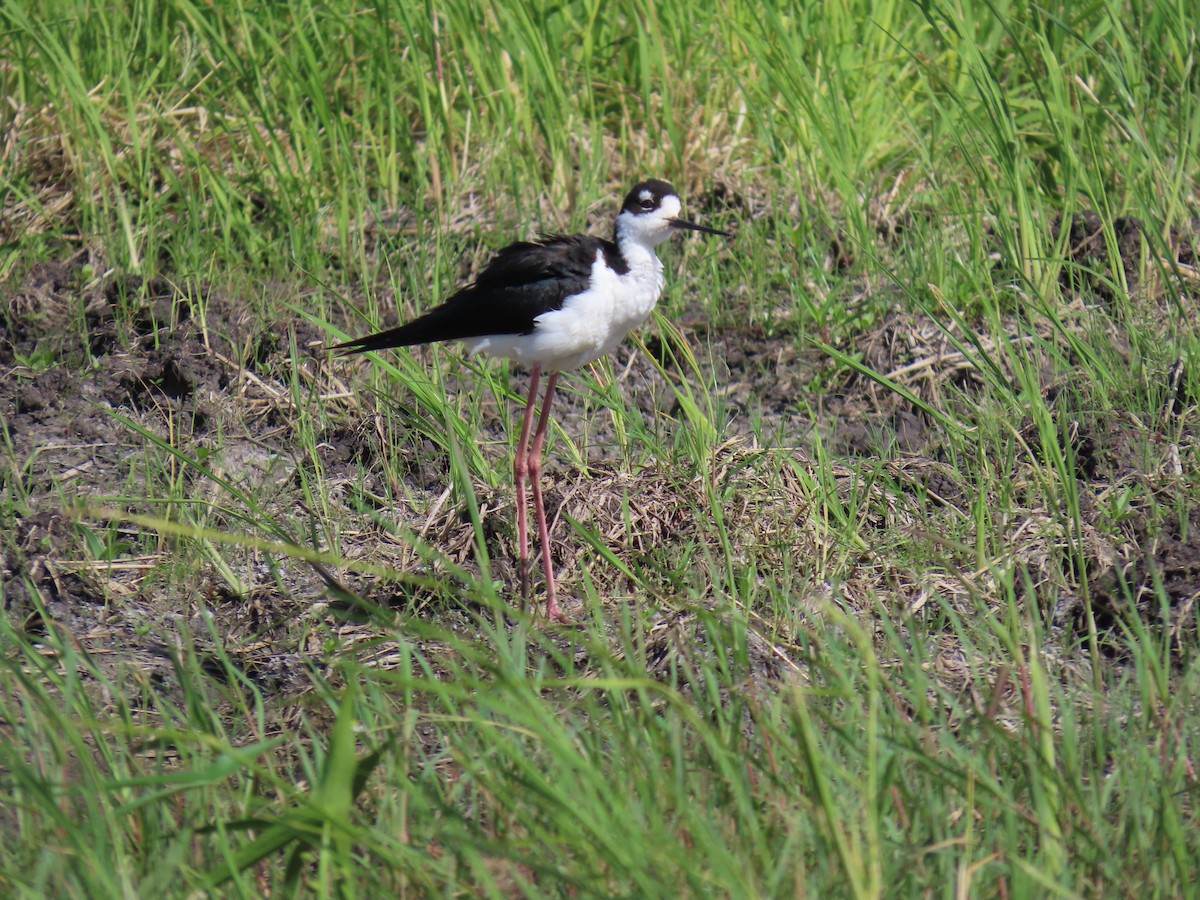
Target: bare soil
89	363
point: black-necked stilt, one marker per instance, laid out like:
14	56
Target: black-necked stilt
553	304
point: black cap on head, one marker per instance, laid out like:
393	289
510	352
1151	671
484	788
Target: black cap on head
647	196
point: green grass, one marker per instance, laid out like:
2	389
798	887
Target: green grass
814	655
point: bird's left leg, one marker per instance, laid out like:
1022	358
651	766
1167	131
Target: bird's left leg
520	476
539	504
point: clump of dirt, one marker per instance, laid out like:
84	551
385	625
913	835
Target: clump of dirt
921	356
38	308
1087	247
44	165
1145	260
1104	448
761	379
1135	564
1156	579
180	368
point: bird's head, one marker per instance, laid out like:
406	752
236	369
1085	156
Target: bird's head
650	214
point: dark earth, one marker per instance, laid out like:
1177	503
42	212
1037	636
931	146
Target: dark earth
197	370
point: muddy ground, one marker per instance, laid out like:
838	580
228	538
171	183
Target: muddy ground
91	364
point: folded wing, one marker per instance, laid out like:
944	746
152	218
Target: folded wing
521	282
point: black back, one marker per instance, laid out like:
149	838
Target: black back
521	282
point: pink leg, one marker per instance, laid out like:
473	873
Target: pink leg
520	476
539	504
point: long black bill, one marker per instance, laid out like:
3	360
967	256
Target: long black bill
692	226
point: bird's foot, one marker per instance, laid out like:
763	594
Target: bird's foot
555	614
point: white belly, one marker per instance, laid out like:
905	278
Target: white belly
589	325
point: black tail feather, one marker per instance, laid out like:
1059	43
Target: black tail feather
393	337
434	326
469	314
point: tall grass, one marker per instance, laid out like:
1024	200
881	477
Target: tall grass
827	673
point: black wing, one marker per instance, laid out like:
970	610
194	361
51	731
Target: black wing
521	282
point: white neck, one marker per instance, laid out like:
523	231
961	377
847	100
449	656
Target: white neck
644	280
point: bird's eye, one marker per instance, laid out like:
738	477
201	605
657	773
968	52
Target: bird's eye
648	204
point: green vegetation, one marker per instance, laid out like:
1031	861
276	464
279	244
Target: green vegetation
883	542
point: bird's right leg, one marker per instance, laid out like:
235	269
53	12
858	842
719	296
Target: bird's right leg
521	477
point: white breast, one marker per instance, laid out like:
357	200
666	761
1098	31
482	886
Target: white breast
590	324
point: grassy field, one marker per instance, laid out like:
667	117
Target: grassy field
881	541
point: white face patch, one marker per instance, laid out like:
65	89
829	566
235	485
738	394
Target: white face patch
645	195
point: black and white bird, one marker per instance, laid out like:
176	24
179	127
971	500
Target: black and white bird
554	304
